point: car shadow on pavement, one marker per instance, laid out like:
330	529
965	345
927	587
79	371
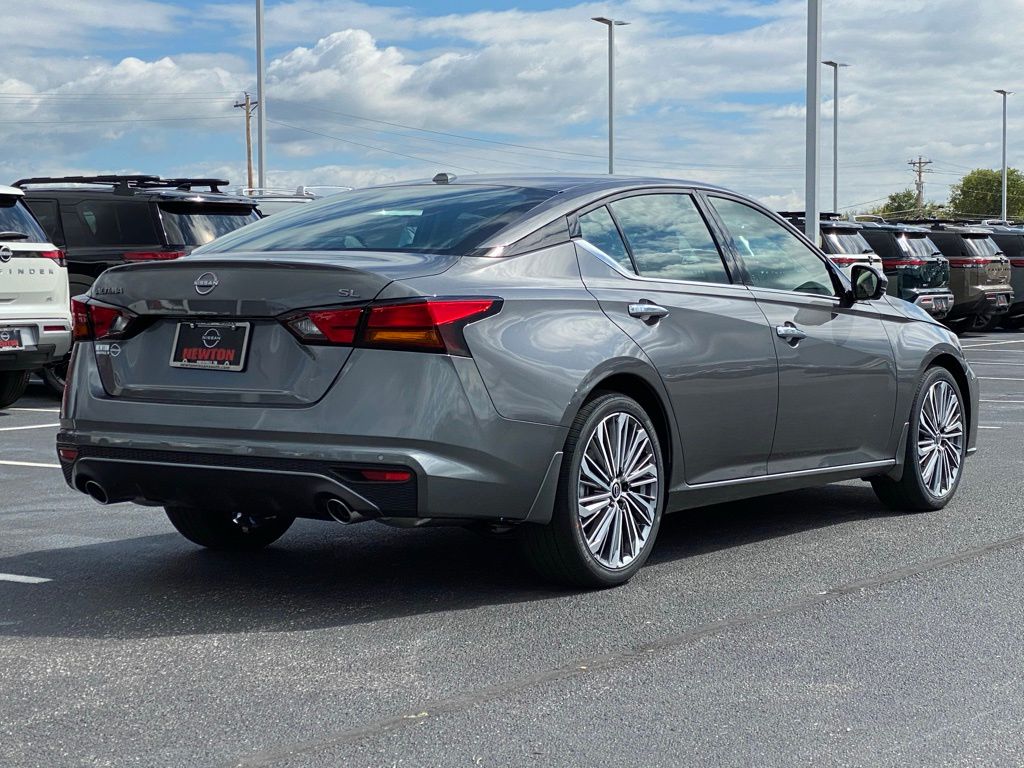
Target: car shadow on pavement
320	575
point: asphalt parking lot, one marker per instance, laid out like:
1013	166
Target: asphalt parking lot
809	627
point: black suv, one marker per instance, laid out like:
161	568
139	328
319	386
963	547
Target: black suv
102	221
916	268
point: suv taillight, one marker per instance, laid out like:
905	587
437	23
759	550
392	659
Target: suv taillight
422	325
907	263
92	322
57	256
153	255
970	263
846	261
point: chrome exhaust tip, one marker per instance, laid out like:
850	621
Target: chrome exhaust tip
342	512
95	490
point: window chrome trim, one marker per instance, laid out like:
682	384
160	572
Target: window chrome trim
606	259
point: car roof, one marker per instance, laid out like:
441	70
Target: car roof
174	195
558	183
893	226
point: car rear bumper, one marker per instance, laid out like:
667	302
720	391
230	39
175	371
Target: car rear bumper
983	302
937	302
429	415
45	341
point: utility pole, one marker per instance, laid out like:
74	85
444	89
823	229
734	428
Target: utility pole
248	105
836	65
919	166
812	225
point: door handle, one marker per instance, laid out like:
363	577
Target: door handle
648	312
790	333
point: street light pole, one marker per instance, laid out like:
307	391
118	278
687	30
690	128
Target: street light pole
812	148
1004	95
261	99
611	24
835	131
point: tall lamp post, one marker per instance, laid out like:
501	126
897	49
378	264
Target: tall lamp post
611	24
261	98
835	130
812	147
1004	95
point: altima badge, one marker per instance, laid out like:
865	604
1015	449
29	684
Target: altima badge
205	283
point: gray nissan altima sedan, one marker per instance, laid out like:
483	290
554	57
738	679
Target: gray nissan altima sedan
571	357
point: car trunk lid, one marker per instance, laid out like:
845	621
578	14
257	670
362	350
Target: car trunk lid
192	310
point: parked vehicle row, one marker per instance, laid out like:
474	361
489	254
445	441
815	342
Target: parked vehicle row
567	357
958	272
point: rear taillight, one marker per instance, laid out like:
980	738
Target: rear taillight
153	255
424	325
57	256
385	475
907	263
971	263
1019	263
93	322
846	261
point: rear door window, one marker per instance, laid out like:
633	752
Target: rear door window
15	217
598	228
109	223
199	224
669	239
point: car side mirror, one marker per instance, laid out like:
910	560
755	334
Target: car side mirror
869	283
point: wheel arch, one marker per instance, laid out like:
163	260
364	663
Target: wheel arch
956	370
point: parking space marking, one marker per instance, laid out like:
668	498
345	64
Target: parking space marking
986	426
28	464
1019	402
30	426
998	378
23	579
992	344
989	362
36	410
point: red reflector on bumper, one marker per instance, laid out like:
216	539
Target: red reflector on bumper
385	475
67	454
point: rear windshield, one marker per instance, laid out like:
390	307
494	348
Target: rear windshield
430	219
981	246
1012	245
201	223
917	245
848	242
15	217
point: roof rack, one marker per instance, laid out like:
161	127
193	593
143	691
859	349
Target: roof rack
127	184
822	216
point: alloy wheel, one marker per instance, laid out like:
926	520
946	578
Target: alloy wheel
940	438
617	490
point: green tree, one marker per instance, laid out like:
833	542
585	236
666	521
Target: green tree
979	193
903	205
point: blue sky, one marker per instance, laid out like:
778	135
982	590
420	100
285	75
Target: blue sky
365	92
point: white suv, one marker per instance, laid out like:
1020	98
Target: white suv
35	310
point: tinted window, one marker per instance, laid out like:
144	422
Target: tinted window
600	231
433	219
1012	245
847	242
192	224
98	223
669	239
15	217
774	256
981	246
919	246
48	216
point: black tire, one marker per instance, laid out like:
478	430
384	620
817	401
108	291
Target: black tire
1012	323
55	376
12	386
987	323
559	551
216	529
960	326
911	493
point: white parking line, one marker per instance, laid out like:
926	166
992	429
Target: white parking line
22	579
29	464
30	426
992	344
1018	402
36	410
998	378
989	362
985	426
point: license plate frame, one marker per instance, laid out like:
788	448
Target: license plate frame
12	335
206	350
